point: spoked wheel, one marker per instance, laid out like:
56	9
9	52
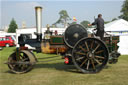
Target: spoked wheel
22	64
90	55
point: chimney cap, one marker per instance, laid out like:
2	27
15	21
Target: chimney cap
38	7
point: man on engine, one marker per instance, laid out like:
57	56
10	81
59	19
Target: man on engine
99	22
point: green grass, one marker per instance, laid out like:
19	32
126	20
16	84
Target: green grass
56	73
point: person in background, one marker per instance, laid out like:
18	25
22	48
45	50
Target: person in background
99	22
56	32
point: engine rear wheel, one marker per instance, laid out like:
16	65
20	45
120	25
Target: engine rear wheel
90	55
23	64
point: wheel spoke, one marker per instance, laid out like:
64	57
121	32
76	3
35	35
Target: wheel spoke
83	62
25	59
97	61
100	57
96	48
93	64
22	68
79	58
92	44
80	53
99	51
88	65
86	46
82	48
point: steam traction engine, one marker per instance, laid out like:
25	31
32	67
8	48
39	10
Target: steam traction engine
87	53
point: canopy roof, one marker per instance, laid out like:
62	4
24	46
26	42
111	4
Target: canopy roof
117	25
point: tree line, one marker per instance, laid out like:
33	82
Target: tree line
65	20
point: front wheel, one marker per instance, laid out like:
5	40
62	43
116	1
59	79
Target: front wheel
90	55
21	64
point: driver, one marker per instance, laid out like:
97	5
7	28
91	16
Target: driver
100	26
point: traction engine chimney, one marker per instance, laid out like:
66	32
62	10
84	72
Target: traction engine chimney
38	11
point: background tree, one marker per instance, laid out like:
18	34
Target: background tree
124	11
85	24
114	19
105	22
73	23
64	18
13	26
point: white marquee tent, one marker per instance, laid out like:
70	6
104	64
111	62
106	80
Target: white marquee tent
119	27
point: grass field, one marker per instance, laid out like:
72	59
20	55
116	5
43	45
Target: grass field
56	73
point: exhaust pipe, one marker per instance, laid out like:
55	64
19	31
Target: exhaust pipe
38	11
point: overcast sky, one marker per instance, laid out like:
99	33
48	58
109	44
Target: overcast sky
23	10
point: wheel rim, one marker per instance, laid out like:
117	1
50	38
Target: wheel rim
19	68
90	55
